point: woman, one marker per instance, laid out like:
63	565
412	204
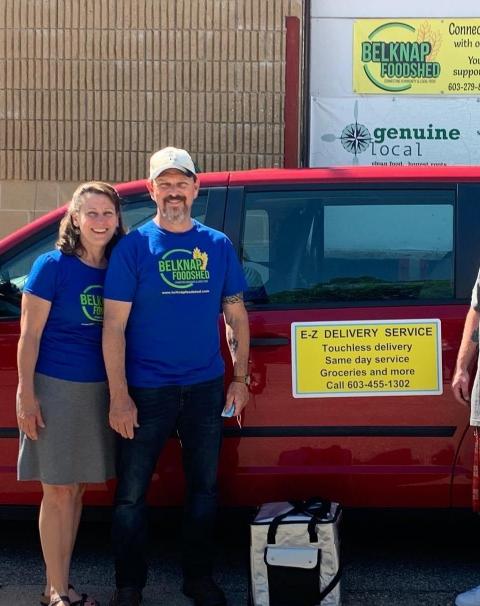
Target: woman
62	398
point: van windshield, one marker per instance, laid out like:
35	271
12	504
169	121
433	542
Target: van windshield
136	210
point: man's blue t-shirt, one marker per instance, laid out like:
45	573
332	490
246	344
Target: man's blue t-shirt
71	343
176	283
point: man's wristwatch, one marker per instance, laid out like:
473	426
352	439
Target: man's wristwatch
241	379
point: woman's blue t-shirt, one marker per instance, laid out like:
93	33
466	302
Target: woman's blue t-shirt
71	343
176	283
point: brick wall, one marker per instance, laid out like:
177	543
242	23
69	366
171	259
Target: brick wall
89	88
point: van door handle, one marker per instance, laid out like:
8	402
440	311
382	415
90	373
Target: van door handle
269	341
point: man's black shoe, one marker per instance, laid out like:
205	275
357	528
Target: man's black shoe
204	591
126	596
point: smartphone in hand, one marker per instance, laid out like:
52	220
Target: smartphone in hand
229	412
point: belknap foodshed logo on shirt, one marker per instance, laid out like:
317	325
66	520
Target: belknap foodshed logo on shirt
91	301
392	144
184	269
397	54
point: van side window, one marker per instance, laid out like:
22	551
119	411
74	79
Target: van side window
311	246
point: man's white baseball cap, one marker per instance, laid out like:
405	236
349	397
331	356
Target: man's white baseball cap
171	157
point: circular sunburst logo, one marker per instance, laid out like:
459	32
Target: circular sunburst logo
355	138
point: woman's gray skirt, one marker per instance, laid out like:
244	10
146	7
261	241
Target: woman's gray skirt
76	445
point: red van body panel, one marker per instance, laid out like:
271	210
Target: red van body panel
393	451
356	174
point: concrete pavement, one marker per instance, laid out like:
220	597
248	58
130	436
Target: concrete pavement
390	558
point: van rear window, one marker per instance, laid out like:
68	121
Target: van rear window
313	246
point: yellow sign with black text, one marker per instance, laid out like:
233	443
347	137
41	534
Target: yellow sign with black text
366	358
417	56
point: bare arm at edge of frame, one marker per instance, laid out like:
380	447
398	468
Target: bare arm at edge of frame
34	316
468	347
238	339
123	412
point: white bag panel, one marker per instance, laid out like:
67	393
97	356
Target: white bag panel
259	579
293	557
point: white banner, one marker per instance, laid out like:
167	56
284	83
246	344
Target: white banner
395	131
378	9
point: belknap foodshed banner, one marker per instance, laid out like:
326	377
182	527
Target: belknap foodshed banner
417	56
380	131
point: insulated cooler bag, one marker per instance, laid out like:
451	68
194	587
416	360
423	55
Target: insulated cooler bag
294	554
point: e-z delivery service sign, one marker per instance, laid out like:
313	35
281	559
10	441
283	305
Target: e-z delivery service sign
417	56
366	358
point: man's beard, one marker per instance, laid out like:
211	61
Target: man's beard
174	214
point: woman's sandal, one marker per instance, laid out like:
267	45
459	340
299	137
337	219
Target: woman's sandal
84	598
61	598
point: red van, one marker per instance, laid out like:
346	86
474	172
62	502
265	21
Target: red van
333	258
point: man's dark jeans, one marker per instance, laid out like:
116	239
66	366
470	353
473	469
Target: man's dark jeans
195	411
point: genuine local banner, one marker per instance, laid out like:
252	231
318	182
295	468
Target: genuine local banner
417	56
380	131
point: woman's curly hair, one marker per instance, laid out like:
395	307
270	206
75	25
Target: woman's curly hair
69	235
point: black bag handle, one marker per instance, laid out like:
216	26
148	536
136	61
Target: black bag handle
301	507
333	583
321	510
274	524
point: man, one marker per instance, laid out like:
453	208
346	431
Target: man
460	387
166	284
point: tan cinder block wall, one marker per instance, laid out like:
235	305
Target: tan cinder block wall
89	88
